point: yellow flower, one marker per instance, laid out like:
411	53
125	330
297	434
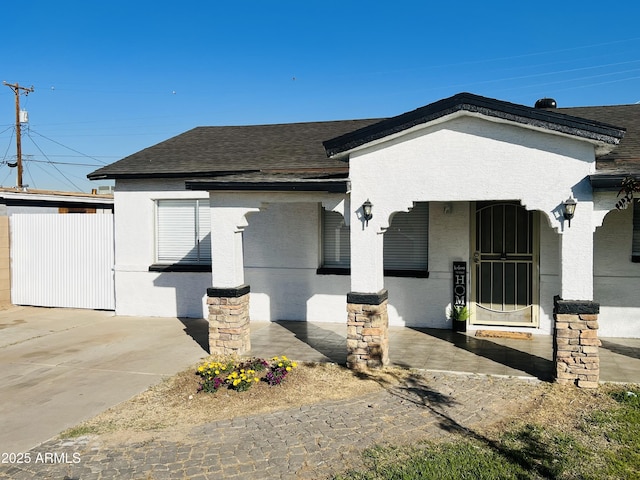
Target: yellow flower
288	369
217	372
294	364
284	357
256	379
201	368
280	364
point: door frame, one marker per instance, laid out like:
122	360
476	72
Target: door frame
535	294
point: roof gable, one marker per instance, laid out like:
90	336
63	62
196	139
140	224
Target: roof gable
550	120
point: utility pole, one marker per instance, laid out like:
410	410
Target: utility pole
16	90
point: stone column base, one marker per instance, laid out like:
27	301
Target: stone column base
229	331
367	330
576	343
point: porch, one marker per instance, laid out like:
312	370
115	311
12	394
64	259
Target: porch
441	350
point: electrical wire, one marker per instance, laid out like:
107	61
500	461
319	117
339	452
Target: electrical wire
8	146
28	173
68	148
67	163
5	178
54	166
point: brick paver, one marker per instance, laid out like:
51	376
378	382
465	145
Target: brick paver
308	442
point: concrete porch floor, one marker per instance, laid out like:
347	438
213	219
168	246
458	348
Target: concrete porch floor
441	350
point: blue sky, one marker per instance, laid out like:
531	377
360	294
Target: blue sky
114	77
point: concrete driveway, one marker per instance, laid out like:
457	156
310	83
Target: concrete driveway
59	366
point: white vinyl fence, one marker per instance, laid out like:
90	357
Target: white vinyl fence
62	260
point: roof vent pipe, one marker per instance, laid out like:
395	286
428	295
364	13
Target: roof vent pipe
546	103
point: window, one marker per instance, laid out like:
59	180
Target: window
183	232
406	243
336	246
635	248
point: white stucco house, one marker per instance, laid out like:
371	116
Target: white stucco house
276	214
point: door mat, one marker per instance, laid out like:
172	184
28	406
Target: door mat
502	334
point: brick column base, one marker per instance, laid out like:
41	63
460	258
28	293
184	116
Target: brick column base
229	320
367	330
576	343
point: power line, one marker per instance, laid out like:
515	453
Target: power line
57	169
8	146
68	148
31	160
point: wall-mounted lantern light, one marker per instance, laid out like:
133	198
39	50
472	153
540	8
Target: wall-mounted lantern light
569	208
366	211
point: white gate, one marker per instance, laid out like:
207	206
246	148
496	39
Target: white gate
62	260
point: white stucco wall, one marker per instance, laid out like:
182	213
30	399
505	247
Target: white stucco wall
281	256
472	159
457	162
282	247
138	291
549	273
617	279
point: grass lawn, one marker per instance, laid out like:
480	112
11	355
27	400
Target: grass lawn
598	443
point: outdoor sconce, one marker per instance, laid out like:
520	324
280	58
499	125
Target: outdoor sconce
569	208
366	211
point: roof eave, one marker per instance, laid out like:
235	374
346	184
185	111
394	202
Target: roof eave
610	182
127	176
324	186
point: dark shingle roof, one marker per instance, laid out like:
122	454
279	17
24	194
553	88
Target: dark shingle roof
467	102
211	151
626	156
221	153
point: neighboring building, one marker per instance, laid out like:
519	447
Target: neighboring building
278	210
28	200
14	201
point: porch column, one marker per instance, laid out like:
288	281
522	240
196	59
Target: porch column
367	320
576	343
576	340
367	330
228	298
229	331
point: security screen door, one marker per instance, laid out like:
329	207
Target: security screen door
505	265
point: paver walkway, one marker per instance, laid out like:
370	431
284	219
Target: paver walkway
309	442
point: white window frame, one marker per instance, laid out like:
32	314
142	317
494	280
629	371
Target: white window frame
183	232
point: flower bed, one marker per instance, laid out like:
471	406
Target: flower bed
240	375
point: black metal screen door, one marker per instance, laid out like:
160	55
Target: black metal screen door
505	271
